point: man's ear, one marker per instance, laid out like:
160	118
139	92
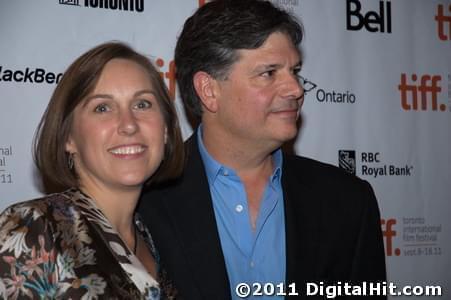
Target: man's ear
206	88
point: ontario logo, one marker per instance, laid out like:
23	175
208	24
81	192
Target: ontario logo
124	5
331	96
421	92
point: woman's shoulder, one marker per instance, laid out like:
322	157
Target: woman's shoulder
37	207
37	214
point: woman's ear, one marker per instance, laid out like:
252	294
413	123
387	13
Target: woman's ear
70	145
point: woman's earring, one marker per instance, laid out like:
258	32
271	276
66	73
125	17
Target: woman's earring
70	161
165	135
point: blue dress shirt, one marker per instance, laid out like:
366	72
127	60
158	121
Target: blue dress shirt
251	256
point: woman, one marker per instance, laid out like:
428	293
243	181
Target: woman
109	128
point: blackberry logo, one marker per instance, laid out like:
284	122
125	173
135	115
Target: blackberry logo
31	75
346	161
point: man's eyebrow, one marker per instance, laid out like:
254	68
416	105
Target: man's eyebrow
265	67
269	66
298	65
275	66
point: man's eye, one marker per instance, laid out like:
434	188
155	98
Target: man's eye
101	108
143	104
268	73
297	71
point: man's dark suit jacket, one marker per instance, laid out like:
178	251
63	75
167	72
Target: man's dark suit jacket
332	229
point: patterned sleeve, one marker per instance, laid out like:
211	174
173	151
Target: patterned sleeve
27	252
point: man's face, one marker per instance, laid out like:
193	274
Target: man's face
260	100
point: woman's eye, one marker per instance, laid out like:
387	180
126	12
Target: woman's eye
101	108
143	104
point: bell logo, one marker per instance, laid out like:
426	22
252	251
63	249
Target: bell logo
442	21
428	86
388	234
372	20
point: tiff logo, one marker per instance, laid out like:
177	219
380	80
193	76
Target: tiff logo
202	2
169	75
428	86
389	234
442	21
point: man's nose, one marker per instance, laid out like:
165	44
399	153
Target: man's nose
292	88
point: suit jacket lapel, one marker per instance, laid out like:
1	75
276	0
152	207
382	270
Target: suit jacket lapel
192	214
302	215
194	220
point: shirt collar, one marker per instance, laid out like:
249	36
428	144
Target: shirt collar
214	168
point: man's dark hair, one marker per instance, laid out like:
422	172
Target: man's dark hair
211	37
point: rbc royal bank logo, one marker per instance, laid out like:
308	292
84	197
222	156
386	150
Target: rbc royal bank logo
443	22
373	21
346	161
371	164
421	92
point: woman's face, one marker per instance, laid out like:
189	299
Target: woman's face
118	132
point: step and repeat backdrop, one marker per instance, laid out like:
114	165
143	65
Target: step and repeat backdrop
381	107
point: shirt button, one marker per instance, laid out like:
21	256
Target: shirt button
239	208
252	264
225	173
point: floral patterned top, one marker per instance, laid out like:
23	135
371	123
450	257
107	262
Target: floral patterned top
63	246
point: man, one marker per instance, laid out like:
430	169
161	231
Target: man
243	211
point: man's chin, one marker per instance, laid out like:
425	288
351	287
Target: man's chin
286	136
289	132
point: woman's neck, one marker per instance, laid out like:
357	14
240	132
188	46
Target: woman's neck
118	205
